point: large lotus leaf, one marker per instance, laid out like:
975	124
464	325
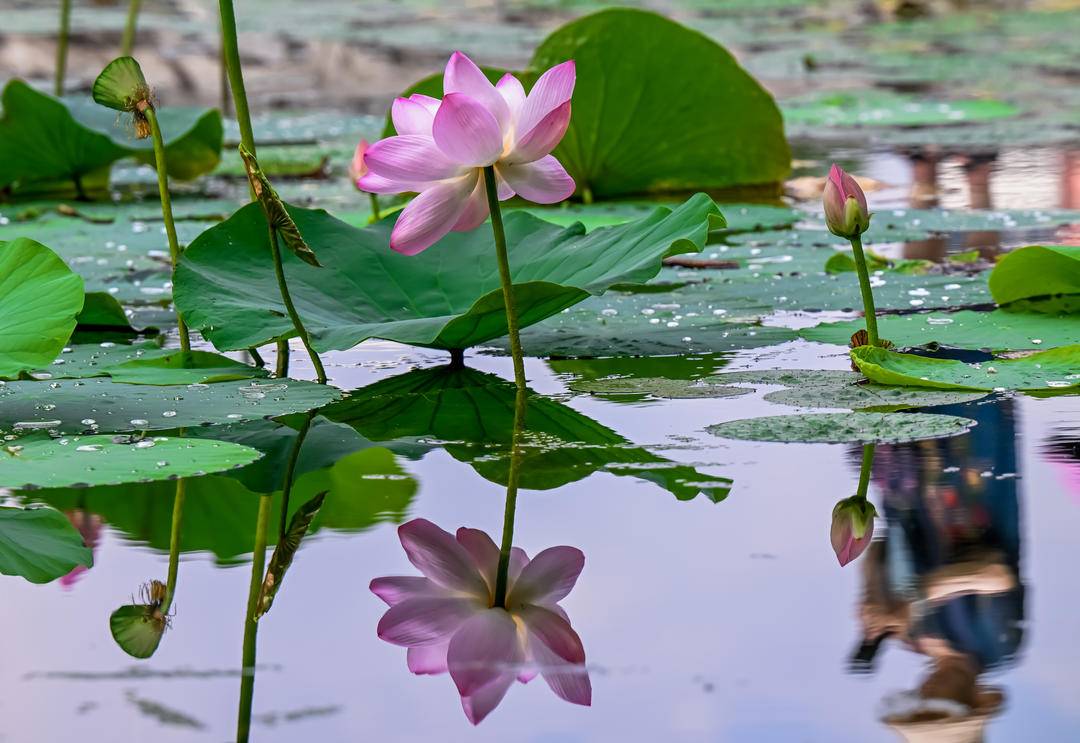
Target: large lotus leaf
39	544
1055	370
101	405
365	488
80	360
817	388
49	140
40	298
39	461
1036	271
843	428
999	330
652	120
145	363
880	108
471	415
739	217
449	296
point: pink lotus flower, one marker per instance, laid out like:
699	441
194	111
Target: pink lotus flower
358	168
846	214
852	528
442	147
448	622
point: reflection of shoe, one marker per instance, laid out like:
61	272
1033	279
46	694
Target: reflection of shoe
927	721
969	577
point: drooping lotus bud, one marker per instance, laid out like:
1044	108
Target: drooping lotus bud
358	168
122	87
845	205
852	527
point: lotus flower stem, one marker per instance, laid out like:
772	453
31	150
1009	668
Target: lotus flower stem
166	206
174	544
62	47
504	275
867	291
290	474
510	509
127	43
298	324
251	624
375	216
864	470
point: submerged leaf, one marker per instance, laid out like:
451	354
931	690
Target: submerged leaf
285	551
39	544
842	428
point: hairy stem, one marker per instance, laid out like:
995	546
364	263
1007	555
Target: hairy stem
867	291
298	325
62	47
251	625
510	508
127	43
166	208
504	276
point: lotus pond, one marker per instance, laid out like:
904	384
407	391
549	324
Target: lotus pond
550	371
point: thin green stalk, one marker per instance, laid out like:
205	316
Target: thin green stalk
864	471
290	474
504	276
281	367
867	292
231	51
251	625
166	208
127	43
374	207
62	47
174	544
510	508
286	297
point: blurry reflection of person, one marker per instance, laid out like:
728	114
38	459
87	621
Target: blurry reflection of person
945	580
1070	195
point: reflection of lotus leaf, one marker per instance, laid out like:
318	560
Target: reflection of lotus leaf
471	415
39	544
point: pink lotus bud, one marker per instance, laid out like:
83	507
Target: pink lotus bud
845	205
358	168
852	527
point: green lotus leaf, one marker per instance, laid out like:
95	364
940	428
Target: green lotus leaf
40	297
100	404
39	544
1036	271
183	367
880	108
843	428
102	311
447	297
1057	369
50	144
121	86
39	461
471	415
671	389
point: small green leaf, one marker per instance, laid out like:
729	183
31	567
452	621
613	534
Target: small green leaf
274	208
183	367
286	550
138	628
843	428
1057	369
39	544
40	298
121	85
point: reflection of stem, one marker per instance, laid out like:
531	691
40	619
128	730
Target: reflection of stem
867	292
166	208
174	544
864	471
128	41
298	325
504	275
62	47
511	498
374	207
251	626
290	472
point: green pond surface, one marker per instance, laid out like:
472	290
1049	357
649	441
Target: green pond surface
711	605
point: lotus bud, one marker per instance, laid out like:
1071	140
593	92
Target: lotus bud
122	87
852	527
845	205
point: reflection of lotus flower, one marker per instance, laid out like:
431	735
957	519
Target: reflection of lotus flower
448	622
852	527
358	168
442	147
89	528
846	213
